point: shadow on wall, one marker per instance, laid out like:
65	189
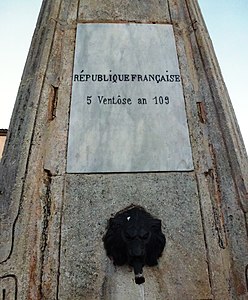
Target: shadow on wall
3	133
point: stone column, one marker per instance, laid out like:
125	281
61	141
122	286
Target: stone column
52	221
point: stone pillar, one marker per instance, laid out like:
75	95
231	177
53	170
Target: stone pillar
53	221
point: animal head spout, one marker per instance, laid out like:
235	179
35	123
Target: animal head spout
135	238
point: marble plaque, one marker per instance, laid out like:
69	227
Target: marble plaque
127	108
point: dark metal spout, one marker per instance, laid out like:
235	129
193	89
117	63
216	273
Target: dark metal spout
138	271
139	278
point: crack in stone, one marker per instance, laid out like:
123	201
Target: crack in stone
45	223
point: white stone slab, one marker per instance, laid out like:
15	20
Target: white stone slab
127	61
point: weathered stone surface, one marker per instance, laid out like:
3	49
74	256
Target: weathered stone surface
53	222
147	11
83	261
15	159
8	287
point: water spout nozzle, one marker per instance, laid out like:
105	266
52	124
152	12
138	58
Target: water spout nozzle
139	279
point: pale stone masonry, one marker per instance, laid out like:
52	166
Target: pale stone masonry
52	222
3	133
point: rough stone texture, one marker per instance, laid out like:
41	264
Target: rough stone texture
52	223
183	266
